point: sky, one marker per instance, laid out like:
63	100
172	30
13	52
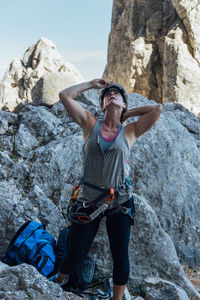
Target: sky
79	29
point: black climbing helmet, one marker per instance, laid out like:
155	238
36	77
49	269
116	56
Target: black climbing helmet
117	86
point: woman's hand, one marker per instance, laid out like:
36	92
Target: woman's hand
125	116
100	83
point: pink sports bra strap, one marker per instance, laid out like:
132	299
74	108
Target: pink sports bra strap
110	139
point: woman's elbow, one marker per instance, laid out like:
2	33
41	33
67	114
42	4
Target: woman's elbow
61	96
159	108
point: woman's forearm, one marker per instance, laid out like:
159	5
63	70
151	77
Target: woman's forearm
141	110
75	90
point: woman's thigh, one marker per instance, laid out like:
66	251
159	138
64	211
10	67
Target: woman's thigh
80	240
118	228
82	236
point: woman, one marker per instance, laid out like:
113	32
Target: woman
106	150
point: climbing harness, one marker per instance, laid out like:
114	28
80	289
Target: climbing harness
75	210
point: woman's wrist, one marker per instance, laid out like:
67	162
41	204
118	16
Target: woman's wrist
89	85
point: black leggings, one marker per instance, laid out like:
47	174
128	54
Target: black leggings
118	228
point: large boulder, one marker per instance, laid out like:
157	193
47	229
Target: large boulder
24	282
16	209
158	289
37	77
154	49
166	171
38	174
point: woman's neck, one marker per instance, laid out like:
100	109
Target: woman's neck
109	130
112	119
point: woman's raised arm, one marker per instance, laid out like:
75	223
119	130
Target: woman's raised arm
74	109
149	114
80	115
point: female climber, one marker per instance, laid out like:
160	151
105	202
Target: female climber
104	190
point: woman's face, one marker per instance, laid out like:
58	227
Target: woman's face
113	96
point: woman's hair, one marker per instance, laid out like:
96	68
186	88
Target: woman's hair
118	87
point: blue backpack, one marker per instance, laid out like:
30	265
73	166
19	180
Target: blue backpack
33	245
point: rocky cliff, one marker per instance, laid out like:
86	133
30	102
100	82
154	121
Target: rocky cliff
41	160
154	49
37	77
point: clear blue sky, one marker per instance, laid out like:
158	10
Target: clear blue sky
79	29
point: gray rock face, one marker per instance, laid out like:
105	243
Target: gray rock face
24	282
37	77
166	171
14	211
158	289
40	123
154	49
41	160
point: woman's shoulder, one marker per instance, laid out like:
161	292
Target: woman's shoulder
92	124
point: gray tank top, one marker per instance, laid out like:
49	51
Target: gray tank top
105	169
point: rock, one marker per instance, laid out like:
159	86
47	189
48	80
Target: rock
154	50
8	123
90	97
7	143
55	161
62	197
55	82
165	165
20	173
60	112
8	127
24	141
24	282
2	265
9	85
6	164
14	211
158	289
48	213
127	295
183	70
37	77
41	123
188	11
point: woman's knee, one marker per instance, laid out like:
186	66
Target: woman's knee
121	273
121	262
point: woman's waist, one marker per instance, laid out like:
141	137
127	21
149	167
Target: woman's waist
117	200
90	192
103	182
